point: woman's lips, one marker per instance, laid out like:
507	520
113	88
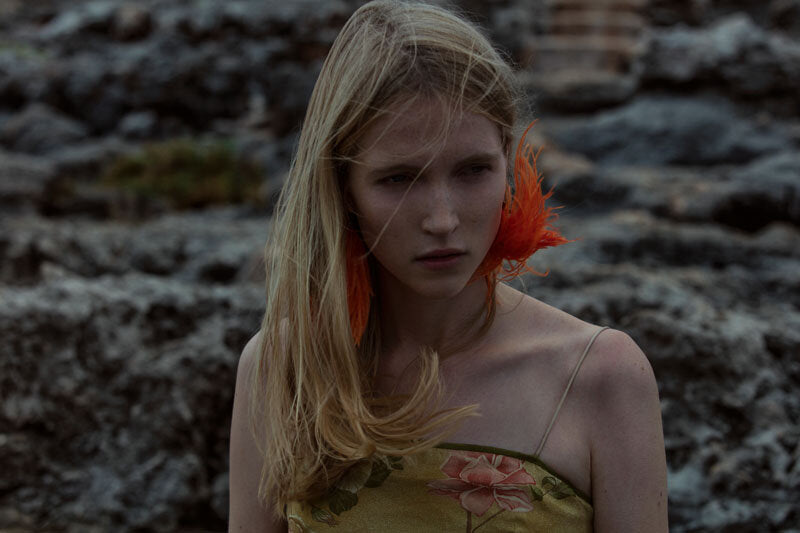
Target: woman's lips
441	261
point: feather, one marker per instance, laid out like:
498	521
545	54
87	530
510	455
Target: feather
359	290
525	223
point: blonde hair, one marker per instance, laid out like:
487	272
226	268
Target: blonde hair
314	406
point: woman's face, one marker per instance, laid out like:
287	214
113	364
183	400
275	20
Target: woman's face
436	229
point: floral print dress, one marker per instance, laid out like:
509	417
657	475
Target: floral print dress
453	487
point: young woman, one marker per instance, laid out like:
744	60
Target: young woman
396	384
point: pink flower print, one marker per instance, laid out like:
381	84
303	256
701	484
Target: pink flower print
477	480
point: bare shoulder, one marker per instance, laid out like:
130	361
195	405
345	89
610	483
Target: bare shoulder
251	353
245	372
249	357
617	389
247	513
618	368
614	362
620	405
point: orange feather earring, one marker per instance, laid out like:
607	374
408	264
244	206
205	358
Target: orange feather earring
525	222
359	289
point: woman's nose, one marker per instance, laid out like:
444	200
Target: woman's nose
440	214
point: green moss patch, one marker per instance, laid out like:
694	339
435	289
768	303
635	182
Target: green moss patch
187	174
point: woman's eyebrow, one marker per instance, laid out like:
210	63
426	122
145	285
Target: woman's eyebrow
481	157
392	169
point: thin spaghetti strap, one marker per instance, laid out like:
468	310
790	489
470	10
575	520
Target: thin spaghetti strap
566	391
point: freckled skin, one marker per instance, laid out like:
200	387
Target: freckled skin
454	203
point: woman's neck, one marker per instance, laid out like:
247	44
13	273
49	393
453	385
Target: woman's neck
410	321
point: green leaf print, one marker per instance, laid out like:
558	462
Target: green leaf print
341	501
321	515
343	495
537	494
561	491
355	477
556	488
395	462
378	475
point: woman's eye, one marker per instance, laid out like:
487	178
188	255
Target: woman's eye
476	170
397	178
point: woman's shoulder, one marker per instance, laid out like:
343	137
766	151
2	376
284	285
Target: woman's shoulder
248	359
251	352
613	379
613	362
250	349
530	322
617	379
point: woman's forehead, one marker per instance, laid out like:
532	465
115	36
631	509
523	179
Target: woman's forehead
424	128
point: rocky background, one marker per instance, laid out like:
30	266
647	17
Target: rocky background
141	145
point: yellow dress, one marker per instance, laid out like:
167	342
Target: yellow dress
453	487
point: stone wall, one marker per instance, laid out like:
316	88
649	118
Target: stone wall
671	132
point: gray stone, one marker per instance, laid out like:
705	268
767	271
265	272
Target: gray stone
131	22
785	16
87	160
138	125
40	129
87	77
213	247
95	16
23	181
578	90
117	433
765	191
674	12
733	54
25	76
666	130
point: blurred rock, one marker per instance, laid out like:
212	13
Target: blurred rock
86	77
23	182
667	130
765	191
785	15
751	197
194	68
578	90
95	380
208	247
40	129
734	54
131	22
24	77
139	125
512	24
61	183
674	12
88	17
86	160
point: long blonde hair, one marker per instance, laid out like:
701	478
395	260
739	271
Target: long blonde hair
314	407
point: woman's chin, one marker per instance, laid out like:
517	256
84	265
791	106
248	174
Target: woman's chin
440	290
